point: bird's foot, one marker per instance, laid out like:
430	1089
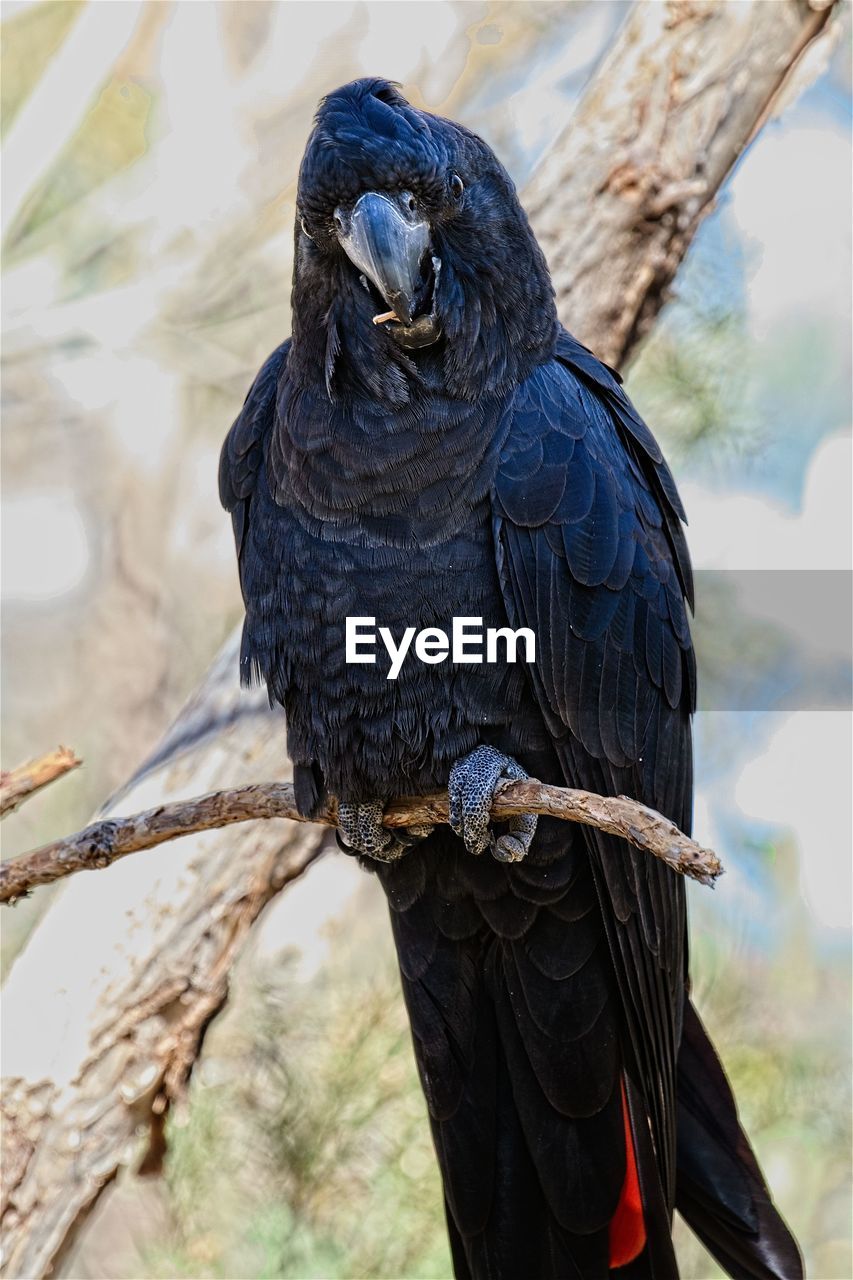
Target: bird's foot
360	830
473	780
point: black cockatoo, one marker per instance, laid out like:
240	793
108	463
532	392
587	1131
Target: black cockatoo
430	444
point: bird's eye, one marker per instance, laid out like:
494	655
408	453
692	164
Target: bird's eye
457	187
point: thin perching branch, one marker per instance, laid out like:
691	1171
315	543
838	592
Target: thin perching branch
17	785
106	841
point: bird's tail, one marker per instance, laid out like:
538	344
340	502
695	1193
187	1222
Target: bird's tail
720	1190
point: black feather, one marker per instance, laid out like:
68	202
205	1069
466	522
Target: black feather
498	472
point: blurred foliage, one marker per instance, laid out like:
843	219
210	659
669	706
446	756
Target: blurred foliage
693	376
30	38
112	136
793	1090
309	1153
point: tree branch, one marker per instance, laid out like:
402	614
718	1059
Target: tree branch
649	147
103	843
17	785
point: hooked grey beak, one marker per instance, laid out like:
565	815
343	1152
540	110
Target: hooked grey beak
386	238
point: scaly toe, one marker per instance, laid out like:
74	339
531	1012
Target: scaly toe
360	830
471	791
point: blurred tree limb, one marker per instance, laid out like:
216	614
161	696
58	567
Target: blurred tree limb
103	843
18	784
650	145
98	1047
73	77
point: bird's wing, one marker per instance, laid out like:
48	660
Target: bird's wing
242	453
245	495
592	555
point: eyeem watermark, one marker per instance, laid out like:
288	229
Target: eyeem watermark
464	645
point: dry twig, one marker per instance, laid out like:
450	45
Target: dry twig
106	841
17	785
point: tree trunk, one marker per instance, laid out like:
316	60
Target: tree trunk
106	1007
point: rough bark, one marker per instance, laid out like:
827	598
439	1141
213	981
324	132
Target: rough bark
106	1007
103	843
617	201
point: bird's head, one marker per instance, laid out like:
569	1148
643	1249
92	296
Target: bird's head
413	252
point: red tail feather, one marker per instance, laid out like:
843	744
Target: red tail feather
627	1228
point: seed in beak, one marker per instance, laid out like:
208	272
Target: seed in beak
385	317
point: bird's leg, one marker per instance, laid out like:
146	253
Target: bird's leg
473	780
360	830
